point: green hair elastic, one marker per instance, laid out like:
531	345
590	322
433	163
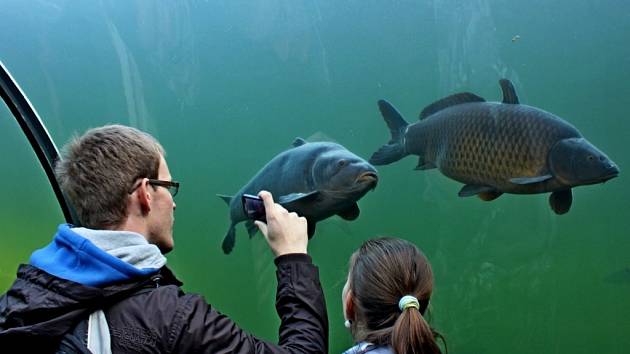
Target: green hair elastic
408	301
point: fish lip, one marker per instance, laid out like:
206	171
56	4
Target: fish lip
602	179
369	177
610	176
613	171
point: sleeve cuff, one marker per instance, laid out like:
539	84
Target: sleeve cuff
292	258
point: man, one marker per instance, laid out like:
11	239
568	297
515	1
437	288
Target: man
105	286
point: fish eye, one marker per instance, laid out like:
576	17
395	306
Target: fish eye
590	157
342	163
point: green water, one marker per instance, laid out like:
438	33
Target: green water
226	85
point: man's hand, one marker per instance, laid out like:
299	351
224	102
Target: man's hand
285	232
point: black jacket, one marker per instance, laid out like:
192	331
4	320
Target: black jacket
153	315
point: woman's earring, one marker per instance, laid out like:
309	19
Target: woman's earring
348	323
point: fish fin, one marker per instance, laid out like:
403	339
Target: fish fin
530	180
473	189
560	201
394	150
252	229
351	213
387	154
395	121
229	240
298	142
489	196
509	94
449	101
295	197
310	229
226	198
425	165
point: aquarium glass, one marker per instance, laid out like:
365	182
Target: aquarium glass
227	85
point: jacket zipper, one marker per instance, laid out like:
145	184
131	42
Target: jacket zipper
156	280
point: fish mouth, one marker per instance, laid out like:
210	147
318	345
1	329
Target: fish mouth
368	178
613	171
609	177
602	179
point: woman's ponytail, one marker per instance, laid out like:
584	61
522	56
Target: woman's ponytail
412	334
391	282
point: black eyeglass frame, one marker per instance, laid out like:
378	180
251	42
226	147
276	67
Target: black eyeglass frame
172	186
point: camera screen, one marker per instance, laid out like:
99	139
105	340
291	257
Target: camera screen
254	207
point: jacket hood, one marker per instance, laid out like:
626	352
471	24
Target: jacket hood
73	257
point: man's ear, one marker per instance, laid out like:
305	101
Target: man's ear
143	196
349	305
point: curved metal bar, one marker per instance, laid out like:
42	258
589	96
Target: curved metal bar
37	135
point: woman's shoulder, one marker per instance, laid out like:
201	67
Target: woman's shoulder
364	347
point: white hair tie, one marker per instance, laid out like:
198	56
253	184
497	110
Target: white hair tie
408	301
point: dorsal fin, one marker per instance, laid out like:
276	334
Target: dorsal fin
452	100
509	94
298	142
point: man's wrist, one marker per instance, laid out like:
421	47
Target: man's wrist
293	257
289	248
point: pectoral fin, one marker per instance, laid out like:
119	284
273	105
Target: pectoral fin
489	196
252	229
351	213
229	240
560	201
424	165
473	189
530	180
297	197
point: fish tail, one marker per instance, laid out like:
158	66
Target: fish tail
394	150
229	240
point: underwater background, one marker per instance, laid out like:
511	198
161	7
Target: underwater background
226	85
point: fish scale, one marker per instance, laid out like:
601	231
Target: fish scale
497	147
489	143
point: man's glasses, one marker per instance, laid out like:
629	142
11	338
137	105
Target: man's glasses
172	186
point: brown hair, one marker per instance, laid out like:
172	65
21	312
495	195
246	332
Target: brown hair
99	168
382	271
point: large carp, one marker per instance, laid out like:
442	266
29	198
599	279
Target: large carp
316	180
497	147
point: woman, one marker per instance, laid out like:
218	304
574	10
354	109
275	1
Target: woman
385	298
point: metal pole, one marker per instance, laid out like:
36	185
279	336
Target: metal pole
37	135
